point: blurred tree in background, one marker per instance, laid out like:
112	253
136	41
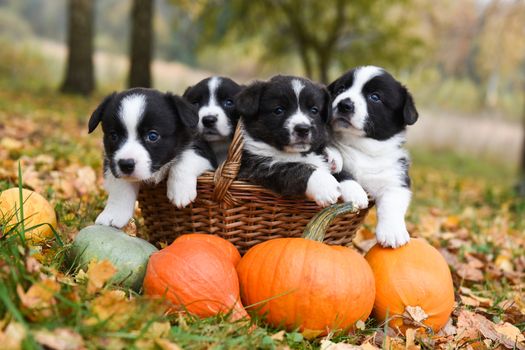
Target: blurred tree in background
322	34
80	78
141	43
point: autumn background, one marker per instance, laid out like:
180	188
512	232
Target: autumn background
464	62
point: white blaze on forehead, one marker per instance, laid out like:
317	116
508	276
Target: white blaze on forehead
297	87
298	117
131	111
362	75
214	109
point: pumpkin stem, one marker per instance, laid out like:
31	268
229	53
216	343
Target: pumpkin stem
317	227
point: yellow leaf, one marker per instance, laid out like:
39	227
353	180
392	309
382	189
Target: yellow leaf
158	330
114	307
99	272
39	295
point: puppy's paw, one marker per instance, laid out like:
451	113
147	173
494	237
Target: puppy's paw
334	159
323	188
182	192
389	234
351	191
113	217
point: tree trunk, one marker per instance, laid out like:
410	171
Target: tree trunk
141	43
80	77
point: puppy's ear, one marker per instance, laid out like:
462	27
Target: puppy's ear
186	91
326	111
96	117
331	87
410	113
184	110
247	101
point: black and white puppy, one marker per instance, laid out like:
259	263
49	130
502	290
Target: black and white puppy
214	99
285	134
148	136
370	113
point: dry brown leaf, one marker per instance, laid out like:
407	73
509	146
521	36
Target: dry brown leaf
449	329
470	325
98	273
329	345
13	335
415	313
364	239
466	300
470	273
165	344
510	331
410	337
60	339
368	346
504	262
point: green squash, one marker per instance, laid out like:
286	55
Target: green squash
128	254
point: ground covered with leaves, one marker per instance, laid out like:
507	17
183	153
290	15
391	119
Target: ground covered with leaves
464	207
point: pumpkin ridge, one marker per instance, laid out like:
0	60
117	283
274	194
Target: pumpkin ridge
275	268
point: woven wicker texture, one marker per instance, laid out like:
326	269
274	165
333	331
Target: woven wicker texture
241	212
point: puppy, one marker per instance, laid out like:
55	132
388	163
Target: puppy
370	112
148	136
214	99
284	141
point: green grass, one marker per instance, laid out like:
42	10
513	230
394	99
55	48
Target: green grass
477	191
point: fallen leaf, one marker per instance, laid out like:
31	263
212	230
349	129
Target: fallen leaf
39	298
329	345
511	332
98	273
113	308
471	325
60	339
165	344
415	313
13	335
360	325
279	336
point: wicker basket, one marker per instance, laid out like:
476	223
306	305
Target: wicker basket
239	211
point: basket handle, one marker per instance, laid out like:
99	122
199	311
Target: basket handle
227	171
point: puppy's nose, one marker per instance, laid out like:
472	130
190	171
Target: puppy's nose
209	120
302	130
346	106
126	165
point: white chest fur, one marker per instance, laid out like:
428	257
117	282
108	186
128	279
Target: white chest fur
374	164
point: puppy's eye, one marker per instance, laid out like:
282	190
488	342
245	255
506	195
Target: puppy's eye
278	111
228	103
340	89
195	104
314	110
152	136
374	97
113	136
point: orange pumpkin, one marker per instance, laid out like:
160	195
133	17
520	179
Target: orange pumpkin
413	280
302	282
37	211
223	245
196	277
